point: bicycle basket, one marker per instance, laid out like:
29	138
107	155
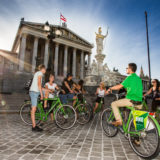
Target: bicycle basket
140	119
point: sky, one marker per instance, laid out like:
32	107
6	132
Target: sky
126	41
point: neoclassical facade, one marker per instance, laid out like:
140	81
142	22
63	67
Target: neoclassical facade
68	53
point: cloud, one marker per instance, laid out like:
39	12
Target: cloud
125	43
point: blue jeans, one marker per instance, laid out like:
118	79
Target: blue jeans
65	97
34	98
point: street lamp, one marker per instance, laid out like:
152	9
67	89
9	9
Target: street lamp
52	34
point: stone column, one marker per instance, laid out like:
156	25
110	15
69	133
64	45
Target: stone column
56	59
35	48
65	61
89	59
74	63
82	65
46	53
22	52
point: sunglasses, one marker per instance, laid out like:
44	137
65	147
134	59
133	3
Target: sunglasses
153	82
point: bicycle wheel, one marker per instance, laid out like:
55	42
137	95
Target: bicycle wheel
147	143
106	121
25	113
65	117
83	113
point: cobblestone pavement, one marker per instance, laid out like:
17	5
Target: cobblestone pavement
86	142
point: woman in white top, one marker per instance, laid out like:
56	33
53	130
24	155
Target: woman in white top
50	87
34	92
101	91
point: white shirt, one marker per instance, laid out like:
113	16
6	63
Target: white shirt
101	93
34	85
52	87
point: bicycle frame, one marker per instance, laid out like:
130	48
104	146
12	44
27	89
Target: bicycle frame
125	126
42	115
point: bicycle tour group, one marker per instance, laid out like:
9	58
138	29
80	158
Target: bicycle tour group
71	90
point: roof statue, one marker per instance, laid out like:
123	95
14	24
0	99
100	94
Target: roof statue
99	40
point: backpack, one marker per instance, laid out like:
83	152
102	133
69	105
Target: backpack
28	84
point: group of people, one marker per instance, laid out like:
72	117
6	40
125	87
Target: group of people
70	90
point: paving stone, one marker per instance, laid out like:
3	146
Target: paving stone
82	142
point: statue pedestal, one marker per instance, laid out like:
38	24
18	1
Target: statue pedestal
100	58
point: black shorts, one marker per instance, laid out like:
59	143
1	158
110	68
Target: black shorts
98	100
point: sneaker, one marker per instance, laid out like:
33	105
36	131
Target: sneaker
37	129
117	123
137	142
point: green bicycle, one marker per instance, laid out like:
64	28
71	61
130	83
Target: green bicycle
146	108
148	136
82	108
64	115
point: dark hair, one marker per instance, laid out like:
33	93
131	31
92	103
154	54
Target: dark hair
81	82
157	82
69	75
133	67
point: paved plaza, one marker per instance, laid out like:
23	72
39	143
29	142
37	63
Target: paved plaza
86	142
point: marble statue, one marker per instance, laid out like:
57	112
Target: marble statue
99	40
99	71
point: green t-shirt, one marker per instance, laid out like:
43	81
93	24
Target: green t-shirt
134	87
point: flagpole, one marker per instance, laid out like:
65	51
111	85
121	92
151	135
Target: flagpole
60	19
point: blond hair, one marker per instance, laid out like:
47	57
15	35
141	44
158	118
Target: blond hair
41	66
103	85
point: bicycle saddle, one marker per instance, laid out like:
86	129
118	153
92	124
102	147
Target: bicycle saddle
136	102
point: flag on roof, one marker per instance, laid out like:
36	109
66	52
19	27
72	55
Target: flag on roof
63	18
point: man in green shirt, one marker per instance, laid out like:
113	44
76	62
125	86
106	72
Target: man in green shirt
133	85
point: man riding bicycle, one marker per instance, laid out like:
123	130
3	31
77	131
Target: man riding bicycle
133	85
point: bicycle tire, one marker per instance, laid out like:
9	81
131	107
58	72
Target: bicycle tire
63	118
104	117
27	119
83	113
137	151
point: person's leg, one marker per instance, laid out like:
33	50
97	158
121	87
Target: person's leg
33	111
120	103
74	101
71	96
96	106
52	117
46	96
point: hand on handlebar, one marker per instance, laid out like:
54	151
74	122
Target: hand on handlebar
71	91
109	91
42	97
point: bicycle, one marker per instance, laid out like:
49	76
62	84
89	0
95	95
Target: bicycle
148	136
82	108
64	115
156	114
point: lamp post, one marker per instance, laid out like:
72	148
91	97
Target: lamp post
52	34
148	51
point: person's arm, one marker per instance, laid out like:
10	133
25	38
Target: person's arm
57	88
40	86
149	92
117	87
105	92
97	91
83	91
47	89
66	84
